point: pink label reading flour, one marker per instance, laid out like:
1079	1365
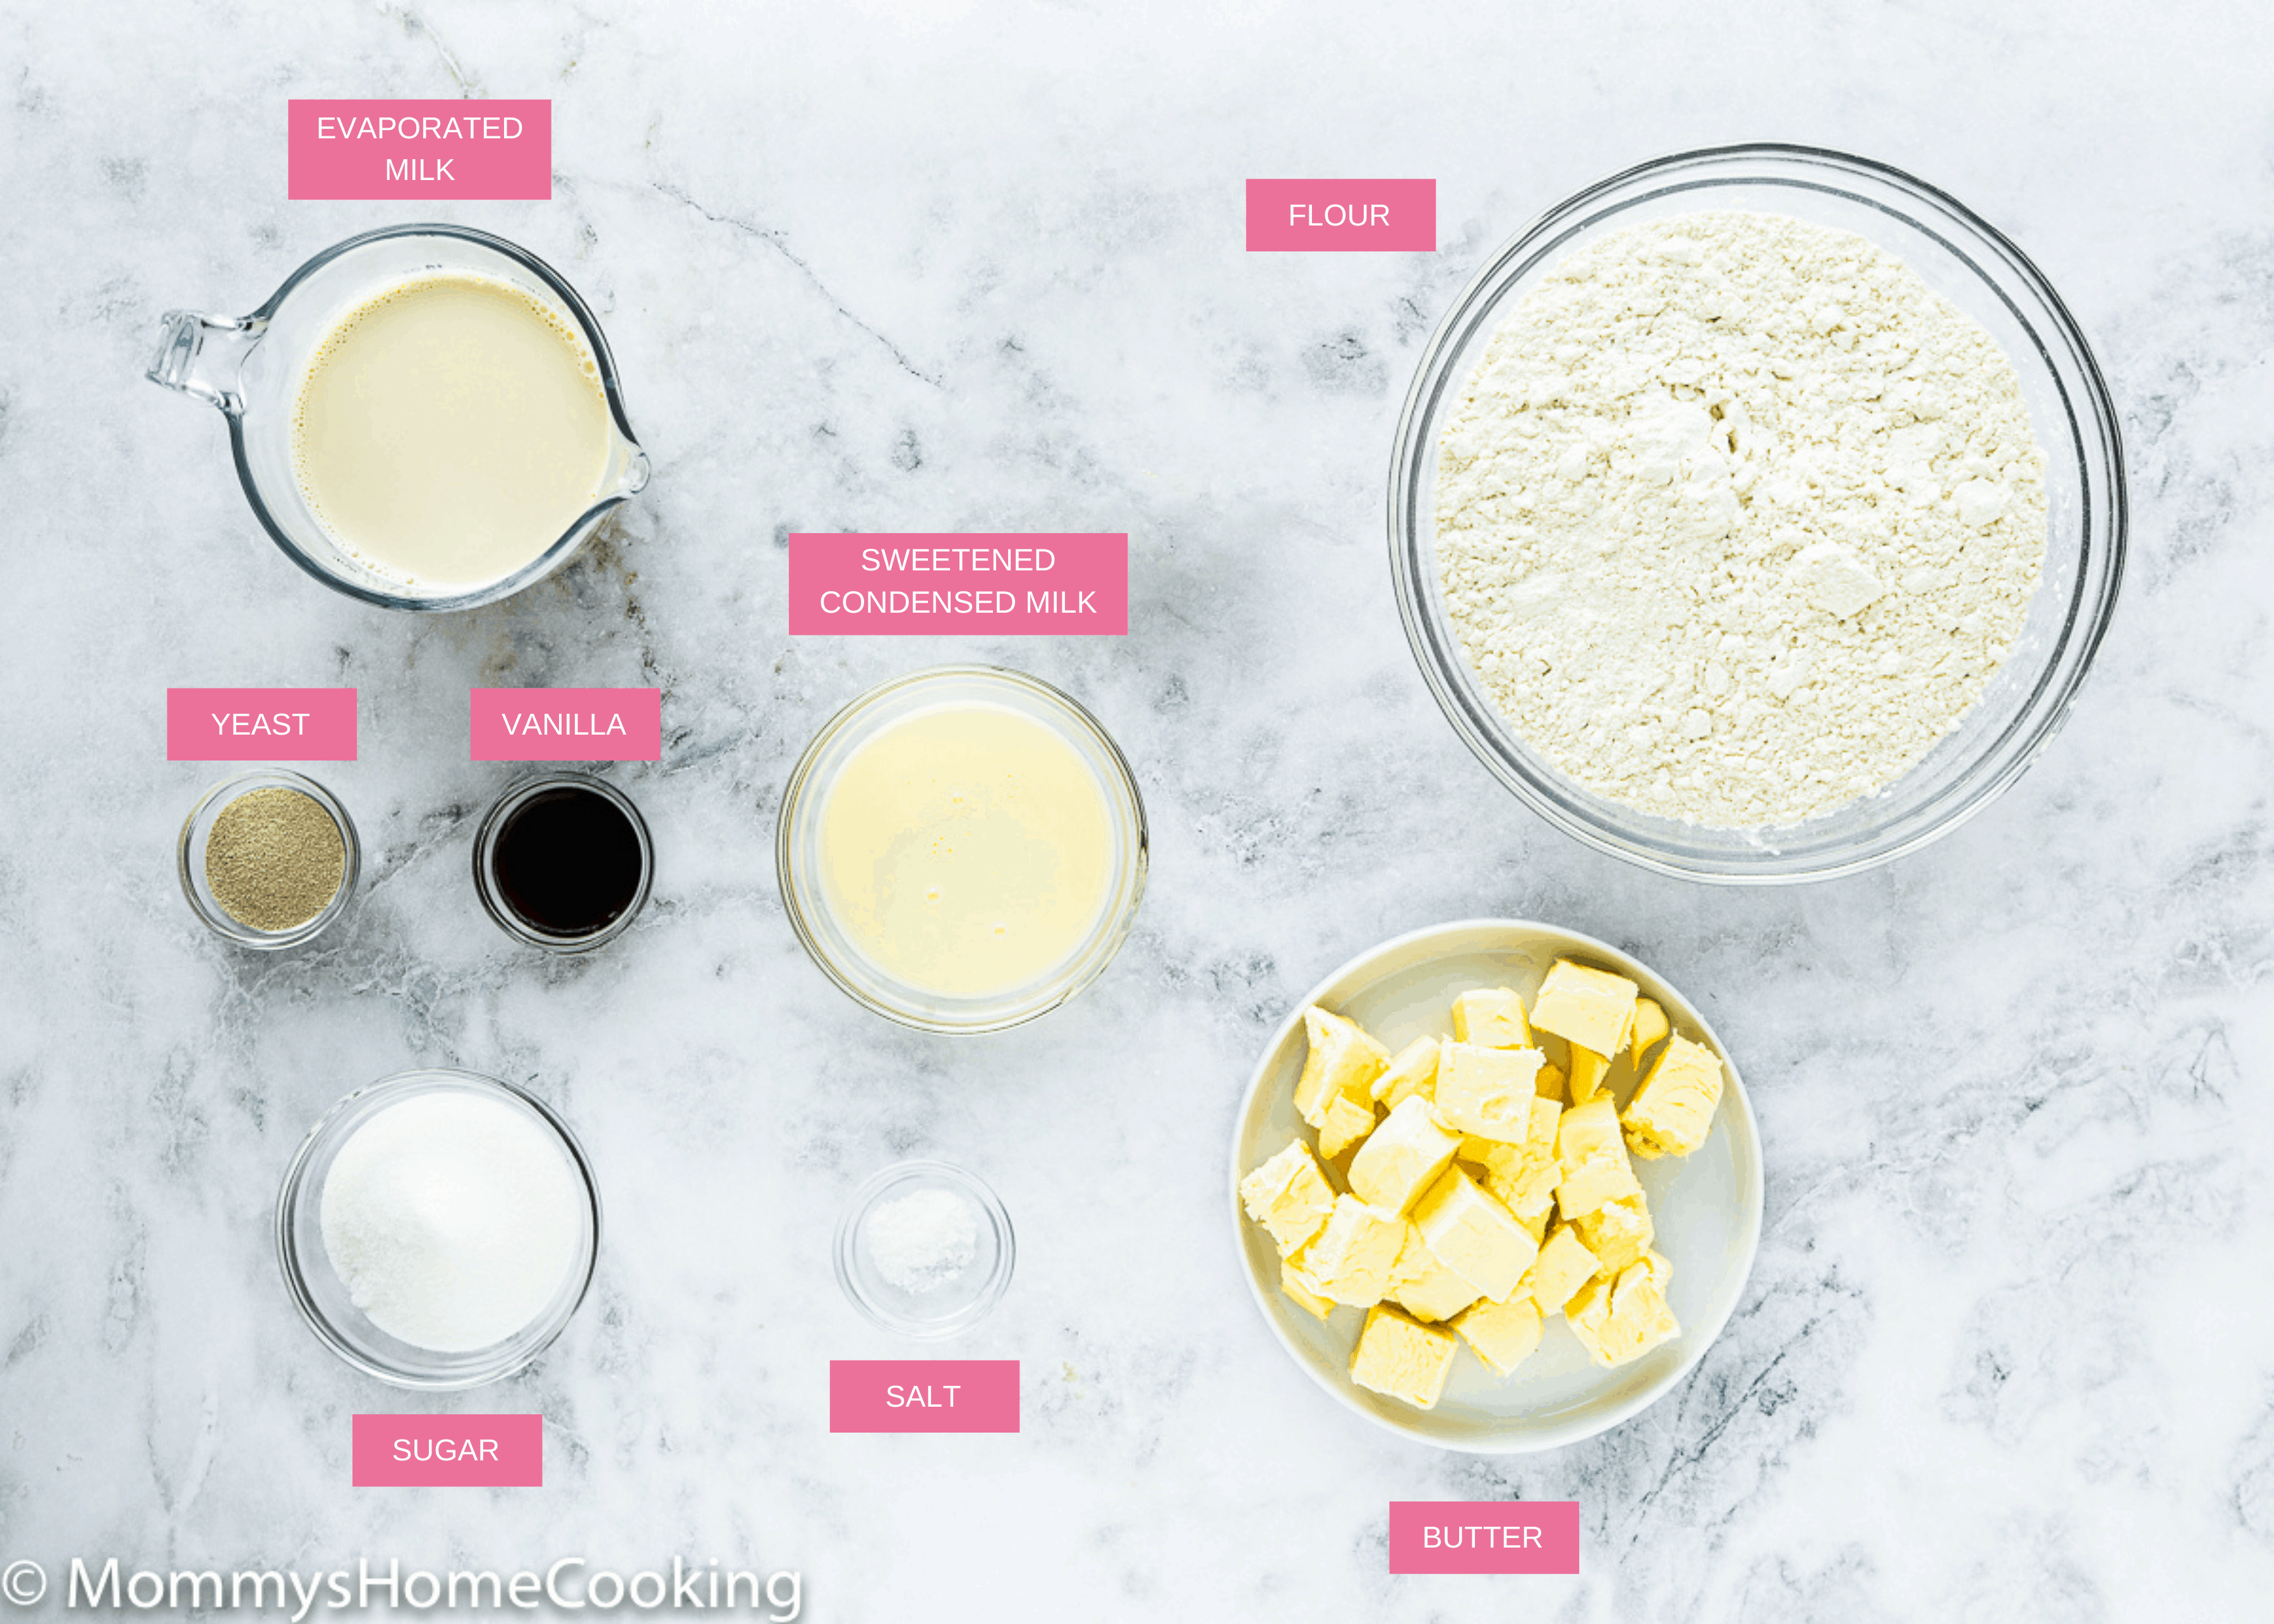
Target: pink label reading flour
450	1452
568	724
261	724
1341	216
363	151
1484	1536
923	1395
1043	583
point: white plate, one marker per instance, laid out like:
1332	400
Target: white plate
1706	1205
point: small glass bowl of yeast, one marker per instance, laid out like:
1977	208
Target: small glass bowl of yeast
268	859
970	1257
961	849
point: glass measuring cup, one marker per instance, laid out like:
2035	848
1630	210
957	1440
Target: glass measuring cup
250	367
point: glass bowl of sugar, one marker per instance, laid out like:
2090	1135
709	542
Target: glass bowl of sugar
925	1250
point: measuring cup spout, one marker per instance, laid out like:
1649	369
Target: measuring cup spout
203	356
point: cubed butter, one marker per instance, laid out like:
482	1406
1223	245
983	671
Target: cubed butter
1497	1158
1550	1082
1400	1358
1585	1130
1619	1318
1540	1135
1476	1236
1672	1112
1650	1025
1297	1285
1414	1071
1491	1018
1349	1260
1588	1069
1584	1006
1617	1232
1564	1265
1289	1196
1502	1333
1421	1284
1487	1092
1605	1177
1403	1156
1342	1061
1348	1121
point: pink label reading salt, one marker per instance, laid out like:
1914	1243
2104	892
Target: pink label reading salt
1043	583
450	1452
1341	216
923	1395
568	724
363	151
261	724
1484	1536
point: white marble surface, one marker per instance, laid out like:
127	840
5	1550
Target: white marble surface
2007	1351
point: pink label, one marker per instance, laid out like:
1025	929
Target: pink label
1044	584
1341	216
261	724
568	724
923	1395
1484	1536
450	1452
363	151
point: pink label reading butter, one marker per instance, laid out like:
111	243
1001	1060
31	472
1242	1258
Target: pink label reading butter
450	1452
923	1395
568	724
363	151
1341	216
261	724
1043	583
1484	1536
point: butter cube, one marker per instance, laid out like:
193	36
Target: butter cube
1414	1073
1587	1007
1421	1284
1605	1177
1289	1196
1539	1134
1349	1260
1617	1232
1348	1121
1502	1333
1649	1026
1342	1061
1564	1265
1297	1285
1496	1158
1477	1237
1535	1220
1585	1130
1487	1092
1402	1157
1549	1082
1672	1112
1491	1018
1588	1069
1619	1318
1402	1358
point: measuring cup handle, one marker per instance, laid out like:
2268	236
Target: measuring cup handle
202	356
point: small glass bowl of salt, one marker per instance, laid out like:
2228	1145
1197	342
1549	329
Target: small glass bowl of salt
925	1249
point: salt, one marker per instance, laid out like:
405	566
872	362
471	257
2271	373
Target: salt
921	1241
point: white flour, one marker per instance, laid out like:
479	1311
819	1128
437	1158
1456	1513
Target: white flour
1737	517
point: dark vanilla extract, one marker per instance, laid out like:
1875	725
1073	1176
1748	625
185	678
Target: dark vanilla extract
568	863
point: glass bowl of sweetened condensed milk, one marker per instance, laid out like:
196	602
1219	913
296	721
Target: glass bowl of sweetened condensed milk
424	417
962	849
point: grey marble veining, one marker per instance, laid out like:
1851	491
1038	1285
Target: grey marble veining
2006	1352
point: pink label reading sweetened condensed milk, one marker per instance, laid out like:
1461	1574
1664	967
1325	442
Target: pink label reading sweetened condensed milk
567	724
1040	583
1484	1536
450	1452
923	1395
366	151
1341	216
261	724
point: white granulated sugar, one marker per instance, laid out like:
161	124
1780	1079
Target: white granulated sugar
921	1241
1737	517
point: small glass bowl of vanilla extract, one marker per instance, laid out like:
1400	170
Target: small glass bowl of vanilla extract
563	862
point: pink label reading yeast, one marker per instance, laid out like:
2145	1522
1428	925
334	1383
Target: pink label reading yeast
568	724
448	1451
261	724
1043	583
1484	1536
923	1395
1341	216
363	151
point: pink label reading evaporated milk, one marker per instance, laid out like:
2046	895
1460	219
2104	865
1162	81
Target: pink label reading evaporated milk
1484	1536
450	1452
567	724
1043	583
923	1395
261	724
1341	216
366	151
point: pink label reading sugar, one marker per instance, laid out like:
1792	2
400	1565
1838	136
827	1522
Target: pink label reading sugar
1341	216
366	151
1484	1536
450	1452
923	1395
568	724
1042	583
261	724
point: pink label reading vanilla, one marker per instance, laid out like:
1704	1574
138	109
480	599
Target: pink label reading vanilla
1039	584
567	724
261	724
366	151
1341	216
1484	1536
923	1395
450	1452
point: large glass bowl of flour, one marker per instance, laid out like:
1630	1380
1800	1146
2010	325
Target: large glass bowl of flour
1987	278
